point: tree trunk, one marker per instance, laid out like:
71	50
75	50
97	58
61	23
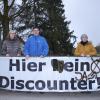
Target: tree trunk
0	42
5	26
5	19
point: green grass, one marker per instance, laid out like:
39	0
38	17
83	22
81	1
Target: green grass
98	54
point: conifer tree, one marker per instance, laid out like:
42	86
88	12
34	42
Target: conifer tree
56	28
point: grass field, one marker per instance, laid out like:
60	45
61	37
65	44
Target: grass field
98	54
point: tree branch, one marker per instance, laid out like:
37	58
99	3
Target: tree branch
1	16
19	11
16	14
11	4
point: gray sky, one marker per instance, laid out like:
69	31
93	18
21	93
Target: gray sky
85	18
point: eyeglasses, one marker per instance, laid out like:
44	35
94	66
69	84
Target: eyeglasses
35	30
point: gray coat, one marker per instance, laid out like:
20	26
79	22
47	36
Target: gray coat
11	47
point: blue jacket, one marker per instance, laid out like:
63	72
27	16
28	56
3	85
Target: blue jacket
36	46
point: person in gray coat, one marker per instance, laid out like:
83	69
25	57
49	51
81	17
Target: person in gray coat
11	45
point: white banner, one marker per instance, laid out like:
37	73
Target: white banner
50	74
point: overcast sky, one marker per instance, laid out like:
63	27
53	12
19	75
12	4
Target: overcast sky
85	18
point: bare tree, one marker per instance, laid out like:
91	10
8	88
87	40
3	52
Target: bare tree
6	16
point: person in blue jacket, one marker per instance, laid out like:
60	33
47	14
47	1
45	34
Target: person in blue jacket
36	45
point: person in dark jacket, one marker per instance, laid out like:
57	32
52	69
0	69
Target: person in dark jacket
36	45
11	45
